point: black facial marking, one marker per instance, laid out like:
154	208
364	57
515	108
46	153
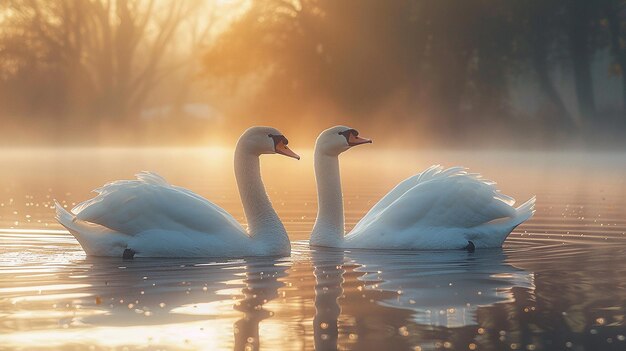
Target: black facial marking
278	138
346	134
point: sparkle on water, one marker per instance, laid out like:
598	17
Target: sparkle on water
558	283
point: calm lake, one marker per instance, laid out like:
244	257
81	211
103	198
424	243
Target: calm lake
559	282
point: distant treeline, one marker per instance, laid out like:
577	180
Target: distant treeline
445	67
546	65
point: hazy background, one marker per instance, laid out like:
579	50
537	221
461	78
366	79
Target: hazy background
440	73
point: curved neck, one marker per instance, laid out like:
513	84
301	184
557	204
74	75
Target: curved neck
263	222
329	225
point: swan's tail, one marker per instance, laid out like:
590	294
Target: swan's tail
524	212
95	240
493	234
65	218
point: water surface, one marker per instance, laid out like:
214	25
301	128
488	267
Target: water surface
557	284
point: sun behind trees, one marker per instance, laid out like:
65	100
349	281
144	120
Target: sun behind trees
131	71
534	68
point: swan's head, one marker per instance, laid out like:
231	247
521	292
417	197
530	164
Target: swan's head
265	140
338	139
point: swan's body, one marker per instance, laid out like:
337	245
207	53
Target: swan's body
436	209
155	219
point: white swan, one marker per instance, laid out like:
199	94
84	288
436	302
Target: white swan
148	217
436	209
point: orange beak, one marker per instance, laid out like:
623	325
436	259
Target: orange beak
282	149
354	140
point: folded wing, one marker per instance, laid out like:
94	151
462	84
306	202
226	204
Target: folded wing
440	198
134	206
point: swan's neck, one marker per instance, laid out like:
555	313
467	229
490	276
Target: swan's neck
263	223
329	225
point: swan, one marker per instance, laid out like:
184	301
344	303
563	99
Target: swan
149	217
436	209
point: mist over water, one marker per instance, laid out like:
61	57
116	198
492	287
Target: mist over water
531	94
478	73
556	284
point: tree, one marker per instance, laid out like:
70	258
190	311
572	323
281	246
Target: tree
615	12
581	17
104	57
543	37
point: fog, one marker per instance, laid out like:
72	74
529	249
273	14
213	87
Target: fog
408	73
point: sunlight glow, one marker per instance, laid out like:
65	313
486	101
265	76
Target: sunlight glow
200	335
42	288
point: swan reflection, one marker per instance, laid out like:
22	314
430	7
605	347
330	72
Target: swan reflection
439	289
328	271
262	286
443	288
162	303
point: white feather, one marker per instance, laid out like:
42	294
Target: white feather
156	219
436	209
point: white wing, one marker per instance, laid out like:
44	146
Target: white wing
439	198
134	206
400	189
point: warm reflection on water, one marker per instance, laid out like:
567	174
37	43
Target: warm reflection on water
557	284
